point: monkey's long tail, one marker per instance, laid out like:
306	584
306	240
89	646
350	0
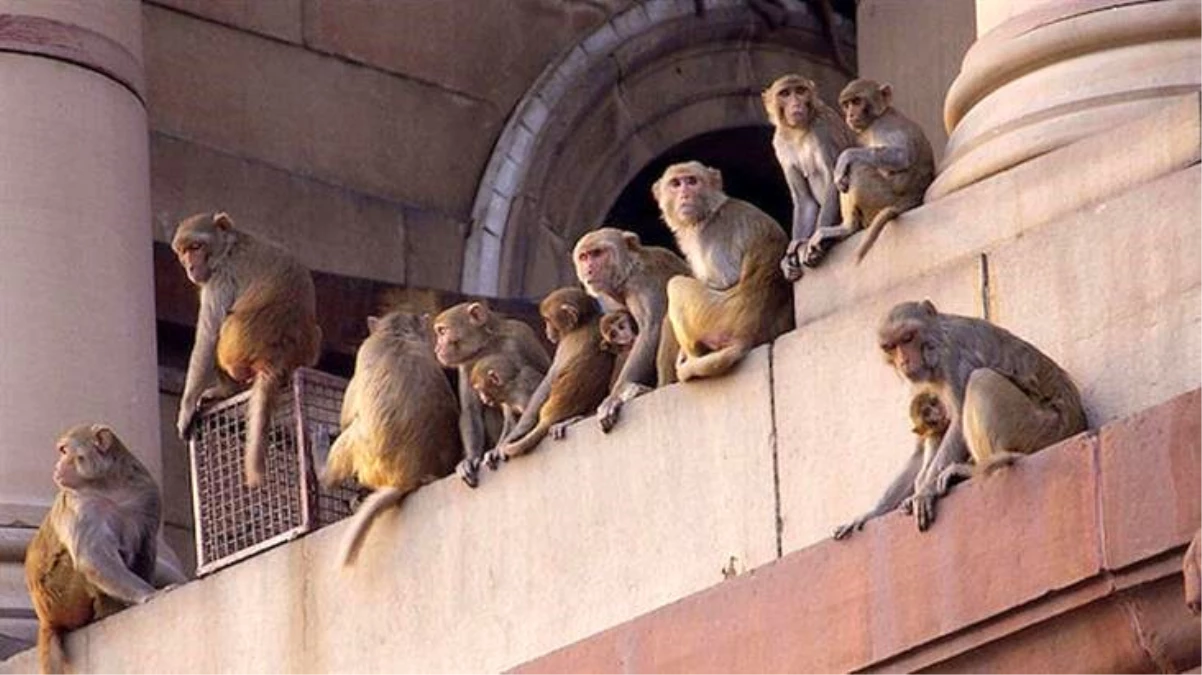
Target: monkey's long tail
874	230
258	419
52	657
371	507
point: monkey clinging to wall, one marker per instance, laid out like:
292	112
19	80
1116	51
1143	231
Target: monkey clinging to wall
257	321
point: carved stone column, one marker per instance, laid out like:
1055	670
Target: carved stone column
77	333
1044	73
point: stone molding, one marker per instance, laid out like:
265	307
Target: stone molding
41	36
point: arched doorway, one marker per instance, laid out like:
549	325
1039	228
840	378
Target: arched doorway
659	81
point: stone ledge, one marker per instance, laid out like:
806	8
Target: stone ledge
1023	548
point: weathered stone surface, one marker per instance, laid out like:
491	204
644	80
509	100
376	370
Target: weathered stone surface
479	64
1112	294
277	18
315	115
326	227
1151	467
842	414
433	249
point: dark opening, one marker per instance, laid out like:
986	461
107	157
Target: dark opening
749	172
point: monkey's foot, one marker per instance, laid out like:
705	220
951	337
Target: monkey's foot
607	413
494	457
815	252
790	265
559	430
843	531
469	470
923	507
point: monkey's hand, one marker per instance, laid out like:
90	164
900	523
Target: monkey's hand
816	249
469	470
856	525
843	173
608	412
790	265
494	457
922	505
187	415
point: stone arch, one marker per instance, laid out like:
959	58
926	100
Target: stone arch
653	76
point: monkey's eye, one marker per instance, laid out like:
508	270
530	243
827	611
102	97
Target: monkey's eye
194	247
675	182
906	338
440	330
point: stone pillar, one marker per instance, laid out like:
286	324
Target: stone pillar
1045	73
77	333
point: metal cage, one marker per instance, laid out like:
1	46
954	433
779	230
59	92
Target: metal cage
234	521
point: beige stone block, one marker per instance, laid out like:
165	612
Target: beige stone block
315	115
842	414
573	538
1112	293
328	228
277	18
453	44
434	247
1004	207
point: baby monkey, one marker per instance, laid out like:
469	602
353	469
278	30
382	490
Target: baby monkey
501	381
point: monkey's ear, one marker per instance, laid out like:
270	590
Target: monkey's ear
632	240
493	377
373	323
103	436
571	312
223	221
886	94
477	313
929	307
657	189
714	177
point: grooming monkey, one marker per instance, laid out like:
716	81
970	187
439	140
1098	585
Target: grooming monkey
808	137
94	553
257	322
887	175
930	422
1001	395
736	299
614	266
464	334
398	421
577	381
501	382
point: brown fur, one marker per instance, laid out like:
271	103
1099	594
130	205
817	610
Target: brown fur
578	378
735	299
614	266
501	382
94	553
258	322
884	177
398	421
808	137
619	331
465	334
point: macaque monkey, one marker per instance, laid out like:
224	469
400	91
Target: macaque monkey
94	553
736	299
577	381
464	334
930	422
619	330
257	322
501	382
1002	395
398	421
887	175
1191	568
808	139
614	266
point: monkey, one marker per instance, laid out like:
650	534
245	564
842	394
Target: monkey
94	553
258	318
619	331
735	299
1001	396
464	334
615	267
930	422
886	175
501	382
577	381
1191	569
808	137
398	421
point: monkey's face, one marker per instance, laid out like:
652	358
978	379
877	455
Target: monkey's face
459	333
795	105
683	196
902	345
82	456
596	266
859	110
194	255
619	332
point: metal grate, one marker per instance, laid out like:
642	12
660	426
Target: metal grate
233	521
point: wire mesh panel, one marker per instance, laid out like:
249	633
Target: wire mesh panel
234	521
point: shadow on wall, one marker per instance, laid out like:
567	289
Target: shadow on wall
749	172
